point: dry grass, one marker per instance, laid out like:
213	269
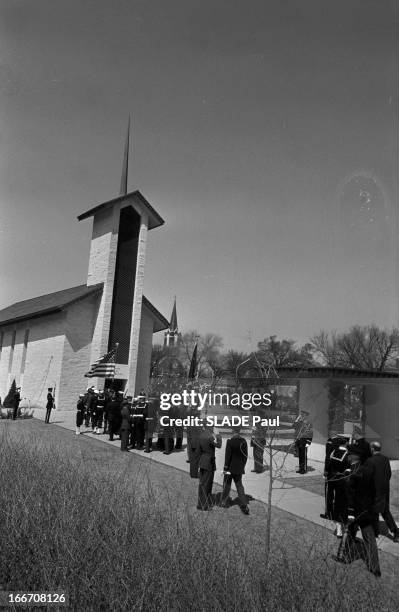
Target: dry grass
116	537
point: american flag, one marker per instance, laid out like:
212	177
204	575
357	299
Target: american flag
103	367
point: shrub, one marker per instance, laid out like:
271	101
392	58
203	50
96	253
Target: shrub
9	398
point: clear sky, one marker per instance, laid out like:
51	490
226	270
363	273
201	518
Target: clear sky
265	133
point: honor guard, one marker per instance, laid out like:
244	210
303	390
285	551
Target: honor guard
150	421
100	412
361	497
49	405
125	427
94	410
336	468
303	439
137	416
88	405
80	409
114	414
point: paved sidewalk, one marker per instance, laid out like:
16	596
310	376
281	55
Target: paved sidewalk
285	495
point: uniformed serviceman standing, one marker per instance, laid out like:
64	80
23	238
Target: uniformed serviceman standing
335	471
80	408
114	414
125	425
150	418
303	439
49	405
100	412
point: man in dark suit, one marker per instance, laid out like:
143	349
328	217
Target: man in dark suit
303	438
16	402
125	425
207	465
361	499
381	469
234	467
193	434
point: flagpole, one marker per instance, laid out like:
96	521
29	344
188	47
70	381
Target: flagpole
116	355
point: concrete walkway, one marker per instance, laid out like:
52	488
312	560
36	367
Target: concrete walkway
285	496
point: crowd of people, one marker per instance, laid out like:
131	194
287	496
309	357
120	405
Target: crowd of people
135	421
357	474
357	482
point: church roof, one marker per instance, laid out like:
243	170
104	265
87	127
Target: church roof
160	322
55	302
173	320
154	219
45	304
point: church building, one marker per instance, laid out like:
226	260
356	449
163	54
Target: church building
51	340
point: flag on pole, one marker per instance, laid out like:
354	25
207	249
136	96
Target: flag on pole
193	363
103	367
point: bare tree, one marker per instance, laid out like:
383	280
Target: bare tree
279	353
209	346
363	347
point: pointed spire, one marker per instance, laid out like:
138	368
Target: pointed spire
173	320
125	167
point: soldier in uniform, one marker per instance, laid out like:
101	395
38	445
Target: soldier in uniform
108	393
168	439
303	439
114	414
176	412
150	420
137	419
80	408
125	424
140	421
49	405
16	401
336	468
361	496
94	410
88	404
208	442
100	406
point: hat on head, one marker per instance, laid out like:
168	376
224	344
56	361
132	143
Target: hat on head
354	449
95	390
50	389
81	394
120	392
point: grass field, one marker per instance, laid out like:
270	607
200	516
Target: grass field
118	532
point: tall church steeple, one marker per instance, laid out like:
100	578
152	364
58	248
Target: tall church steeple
125	166
172	336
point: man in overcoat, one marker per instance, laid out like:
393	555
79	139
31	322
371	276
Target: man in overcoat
208	442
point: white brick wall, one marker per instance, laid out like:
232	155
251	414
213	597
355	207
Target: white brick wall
79	326
43	357
145	350
137	304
